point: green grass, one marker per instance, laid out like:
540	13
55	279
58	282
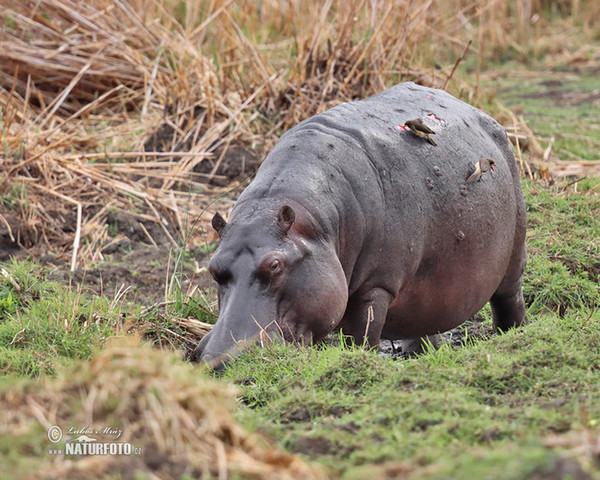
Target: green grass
446	409
563	241
43	322
560	105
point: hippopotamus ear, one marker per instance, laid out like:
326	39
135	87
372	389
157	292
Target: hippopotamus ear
218	223
285	218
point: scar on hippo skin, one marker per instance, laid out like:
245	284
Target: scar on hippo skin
459	235
439	120
463	190
438	171
430	183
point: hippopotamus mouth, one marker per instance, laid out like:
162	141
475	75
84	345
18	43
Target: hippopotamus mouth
220	355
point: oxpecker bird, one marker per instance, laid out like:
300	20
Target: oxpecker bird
418	127
481	167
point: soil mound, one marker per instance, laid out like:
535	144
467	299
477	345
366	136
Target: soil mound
176	419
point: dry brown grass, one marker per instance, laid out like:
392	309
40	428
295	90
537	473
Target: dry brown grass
133	105
180	419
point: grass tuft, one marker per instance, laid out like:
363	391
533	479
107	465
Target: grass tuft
177	421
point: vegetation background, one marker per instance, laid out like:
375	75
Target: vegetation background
126	123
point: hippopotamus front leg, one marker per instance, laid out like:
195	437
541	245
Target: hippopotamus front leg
365	316
364	319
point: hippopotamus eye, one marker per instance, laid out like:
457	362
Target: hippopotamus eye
271	266
275	266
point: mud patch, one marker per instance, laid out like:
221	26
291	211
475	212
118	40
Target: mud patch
10	237
473	329
306	413
319	446
562	468
224	162
564	97
145	272
313	447
235	163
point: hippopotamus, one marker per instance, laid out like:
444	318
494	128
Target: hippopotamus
354	222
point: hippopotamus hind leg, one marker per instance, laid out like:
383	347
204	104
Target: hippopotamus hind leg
508	305
508	309
413	346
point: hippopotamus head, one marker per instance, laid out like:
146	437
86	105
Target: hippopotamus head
278	278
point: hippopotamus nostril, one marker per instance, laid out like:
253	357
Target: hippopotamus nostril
214	360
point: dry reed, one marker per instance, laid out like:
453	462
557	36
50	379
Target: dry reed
135	105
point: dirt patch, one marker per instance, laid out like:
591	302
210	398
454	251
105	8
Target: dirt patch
221	163
10	237
140	257
315	447
562	468
564	97
146	271
472	329
235	163
303	413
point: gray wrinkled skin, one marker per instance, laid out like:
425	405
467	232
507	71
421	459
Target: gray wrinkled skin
354	223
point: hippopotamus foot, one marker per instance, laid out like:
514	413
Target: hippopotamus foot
417	345
365	316
508	310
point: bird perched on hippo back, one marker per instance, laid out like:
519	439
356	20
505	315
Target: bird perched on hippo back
350	225
481	167
419	128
